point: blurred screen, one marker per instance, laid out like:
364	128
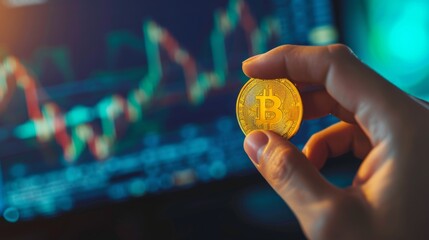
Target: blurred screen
393	38
110	100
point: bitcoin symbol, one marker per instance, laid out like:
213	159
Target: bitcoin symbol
269	109
270	104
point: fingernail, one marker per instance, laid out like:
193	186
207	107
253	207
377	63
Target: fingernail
254	144
304	150
251	58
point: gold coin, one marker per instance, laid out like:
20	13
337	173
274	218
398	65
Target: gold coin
273	104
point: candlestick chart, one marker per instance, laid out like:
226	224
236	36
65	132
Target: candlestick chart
125	102
49	121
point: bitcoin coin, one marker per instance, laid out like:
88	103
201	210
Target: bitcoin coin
273	104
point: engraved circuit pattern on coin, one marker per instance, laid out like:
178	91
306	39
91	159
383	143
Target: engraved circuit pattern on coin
273	104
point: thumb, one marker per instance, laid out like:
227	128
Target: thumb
288	171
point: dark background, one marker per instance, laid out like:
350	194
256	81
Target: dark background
240	205
236	208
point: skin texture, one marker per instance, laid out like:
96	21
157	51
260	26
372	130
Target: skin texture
386	128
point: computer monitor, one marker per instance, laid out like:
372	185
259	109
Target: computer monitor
108	101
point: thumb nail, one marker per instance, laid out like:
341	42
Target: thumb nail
304	150
254	144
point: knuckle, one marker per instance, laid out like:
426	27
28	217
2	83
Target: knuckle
286	48
339	48
282	167
339	51
316	138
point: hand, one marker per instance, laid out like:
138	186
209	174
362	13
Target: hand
389	130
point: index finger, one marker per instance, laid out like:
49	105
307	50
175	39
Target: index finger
374	102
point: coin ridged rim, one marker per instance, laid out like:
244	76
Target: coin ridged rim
288	84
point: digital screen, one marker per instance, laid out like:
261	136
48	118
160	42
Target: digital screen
109	100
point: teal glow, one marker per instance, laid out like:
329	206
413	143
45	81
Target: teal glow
218	170
408	39
106	111
219	55
78	115
392	37
11	214
137	187
26	130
